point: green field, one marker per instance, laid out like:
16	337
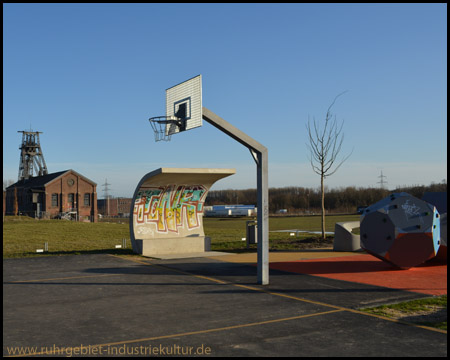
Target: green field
415	311
227	233
22	236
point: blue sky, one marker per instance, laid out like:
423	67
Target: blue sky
90	75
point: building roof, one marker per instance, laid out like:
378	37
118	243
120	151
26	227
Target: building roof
41	181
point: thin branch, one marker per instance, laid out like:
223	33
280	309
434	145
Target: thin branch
325	145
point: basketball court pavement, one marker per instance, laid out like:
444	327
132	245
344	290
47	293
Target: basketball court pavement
105	305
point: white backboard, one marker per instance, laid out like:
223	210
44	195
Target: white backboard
185	101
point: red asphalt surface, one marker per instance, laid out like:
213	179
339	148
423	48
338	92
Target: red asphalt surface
429	278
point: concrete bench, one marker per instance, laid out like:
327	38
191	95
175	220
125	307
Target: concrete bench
344	239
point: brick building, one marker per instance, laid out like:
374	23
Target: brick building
66	194
114	207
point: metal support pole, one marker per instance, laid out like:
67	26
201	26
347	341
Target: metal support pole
260	155
263	218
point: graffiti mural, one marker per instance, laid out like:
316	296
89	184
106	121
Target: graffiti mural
170	207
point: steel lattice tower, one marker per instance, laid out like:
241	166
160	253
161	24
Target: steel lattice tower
31	156
382	182
106	191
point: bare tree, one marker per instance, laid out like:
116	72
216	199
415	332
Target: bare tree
324	147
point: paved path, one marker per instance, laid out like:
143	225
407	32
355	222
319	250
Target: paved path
110	305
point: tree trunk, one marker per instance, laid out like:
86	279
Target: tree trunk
324	147
323	206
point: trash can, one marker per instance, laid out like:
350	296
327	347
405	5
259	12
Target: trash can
252	232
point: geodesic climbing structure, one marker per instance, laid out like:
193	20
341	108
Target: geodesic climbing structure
401	229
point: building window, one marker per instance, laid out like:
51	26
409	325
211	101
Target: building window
54	199
71	200
87	199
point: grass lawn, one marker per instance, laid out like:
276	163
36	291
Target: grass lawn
429	312
22	236
227	233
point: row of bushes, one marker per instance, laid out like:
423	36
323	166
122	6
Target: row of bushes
308	200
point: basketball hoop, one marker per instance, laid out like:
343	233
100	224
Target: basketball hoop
165	126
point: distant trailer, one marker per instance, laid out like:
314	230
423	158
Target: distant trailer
241	212
229	210
217	213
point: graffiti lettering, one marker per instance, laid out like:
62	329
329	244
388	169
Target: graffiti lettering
411	210
170	207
